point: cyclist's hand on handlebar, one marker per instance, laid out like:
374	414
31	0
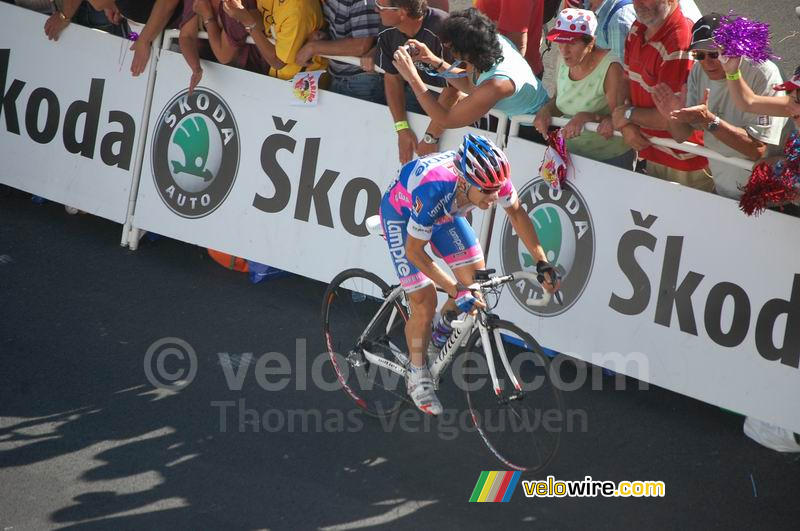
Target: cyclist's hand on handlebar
468	298
548	276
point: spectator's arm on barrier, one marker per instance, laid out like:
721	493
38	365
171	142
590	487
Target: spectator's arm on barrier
634	138
616	89
394	87
355	47
223	50
187	39
291	34
368	60
255	25
159	16
544	116
59	20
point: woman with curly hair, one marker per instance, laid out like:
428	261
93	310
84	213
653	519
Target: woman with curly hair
487	68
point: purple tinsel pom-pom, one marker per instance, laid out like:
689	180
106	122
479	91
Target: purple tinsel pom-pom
741	37
132	36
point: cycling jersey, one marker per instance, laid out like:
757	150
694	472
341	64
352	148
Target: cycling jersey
422	202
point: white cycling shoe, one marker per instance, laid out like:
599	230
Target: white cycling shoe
419	385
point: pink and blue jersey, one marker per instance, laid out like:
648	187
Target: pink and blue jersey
422	202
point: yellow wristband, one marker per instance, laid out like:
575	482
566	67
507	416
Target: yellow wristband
399	126
733	77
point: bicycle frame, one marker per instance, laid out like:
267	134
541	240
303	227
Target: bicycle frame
462	329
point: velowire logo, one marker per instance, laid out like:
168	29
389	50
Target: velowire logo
195	154
566	231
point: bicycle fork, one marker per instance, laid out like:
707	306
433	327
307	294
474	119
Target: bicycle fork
501	352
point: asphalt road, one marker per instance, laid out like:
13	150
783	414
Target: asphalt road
87	442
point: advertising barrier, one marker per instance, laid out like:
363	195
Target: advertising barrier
244	172
663	283
70	114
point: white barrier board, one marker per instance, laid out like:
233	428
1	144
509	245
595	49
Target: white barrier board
70	114
682	288
236	168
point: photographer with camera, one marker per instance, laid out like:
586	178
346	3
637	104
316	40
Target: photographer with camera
404	20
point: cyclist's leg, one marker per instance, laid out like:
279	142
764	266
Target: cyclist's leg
459	247
420	291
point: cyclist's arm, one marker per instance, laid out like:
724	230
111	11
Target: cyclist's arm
415	251
527	233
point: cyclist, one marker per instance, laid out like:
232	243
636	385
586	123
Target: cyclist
427	203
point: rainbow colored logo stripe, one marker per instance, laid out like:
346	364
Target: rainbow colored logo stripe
495	486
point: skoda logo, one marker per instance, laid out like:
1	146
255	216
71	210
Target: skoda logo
566	232
195	153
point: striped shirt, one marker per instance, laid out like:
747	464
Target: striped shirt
350	19
664	58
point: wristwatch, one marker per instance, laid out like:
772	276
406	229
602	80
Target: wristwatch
713	124
430	139
628	113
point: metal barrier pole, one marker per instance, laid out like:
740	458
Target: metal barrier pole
130	234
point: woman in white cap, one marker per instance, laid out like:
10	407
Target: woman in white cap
589	84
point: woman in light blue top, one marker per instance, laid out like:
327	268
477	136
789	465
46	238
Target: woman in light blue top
488	69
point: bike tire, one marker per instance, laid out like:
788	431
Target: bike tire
514	429
351	300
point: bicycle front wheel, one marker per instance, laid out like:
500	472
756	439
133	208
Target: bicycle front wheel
521	425
352	301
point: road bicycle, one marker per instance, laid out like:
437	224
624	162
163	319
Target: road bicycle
363	325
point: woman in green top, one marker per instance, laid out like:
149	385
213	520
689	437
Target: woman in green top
589	85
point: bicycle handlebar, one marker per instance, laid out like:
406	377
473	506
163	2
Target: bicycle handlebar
544	300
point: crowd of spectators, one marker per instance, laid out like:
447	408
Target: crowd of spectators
641	69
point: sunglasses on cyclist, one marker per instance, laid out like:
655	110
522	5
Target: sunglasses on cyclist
385	8
699	56
481	190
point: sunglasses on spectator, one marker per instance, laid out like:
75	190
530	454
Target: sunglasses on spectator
699	56
385	8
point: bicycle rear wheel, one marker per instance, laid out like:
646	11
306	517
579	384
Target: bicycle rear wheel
351	301
522	427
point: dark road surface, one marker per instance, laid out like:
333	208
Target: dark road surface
87	442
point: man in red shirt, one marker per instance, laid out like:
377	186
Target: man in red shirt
657	52
521	22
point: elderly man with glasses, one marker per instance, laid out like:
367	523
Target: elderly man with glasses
706	104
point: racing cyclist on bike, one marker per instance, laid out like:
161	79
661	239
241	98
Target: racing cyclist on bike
427	203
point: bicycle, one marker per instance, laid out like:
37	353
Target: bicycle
363	326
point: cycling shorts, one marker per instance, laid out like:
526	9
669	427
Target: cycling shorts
453	240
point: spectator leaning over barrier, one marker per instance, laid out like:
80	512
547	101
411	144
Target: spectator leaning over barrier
705	104
404	20
226	38
495	75
154	14
352	29
657	52
289	23
589	83
521	22
82	13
